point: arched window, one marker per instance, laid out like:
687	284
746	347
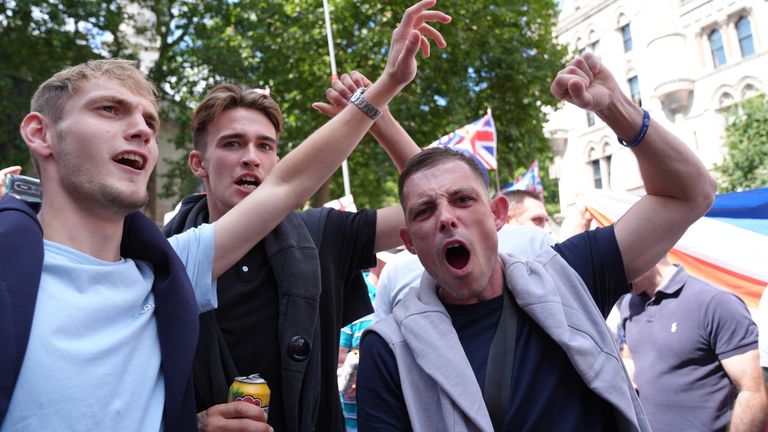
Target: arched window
716	46
744	31
599	158
626	34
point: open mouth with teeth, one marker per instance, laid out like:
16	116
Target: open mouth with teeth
457	256
248	182
131	160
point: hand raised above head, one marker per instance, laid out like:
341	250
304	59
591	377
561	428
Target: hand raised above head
586	83
413	33
340	91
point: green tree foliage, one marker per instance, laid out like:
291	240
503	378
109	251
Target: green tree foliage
746	138
499	55
36	40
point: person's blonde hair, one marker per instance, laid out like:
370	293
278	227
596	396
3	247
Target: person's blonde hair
52	95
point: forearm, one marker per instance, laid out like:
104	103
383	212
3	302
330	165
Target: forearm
749	412
667	165
394	139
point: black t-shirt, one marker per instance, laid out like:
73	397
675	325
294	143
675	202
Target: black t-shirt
248	309
546	392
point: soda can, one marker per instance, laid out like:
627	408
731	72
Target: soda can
252	389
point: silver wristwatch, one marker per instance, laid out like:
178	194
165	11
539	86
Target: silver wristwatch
362	103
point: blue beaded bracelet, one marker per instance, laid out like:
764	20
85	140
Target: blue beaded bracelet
640	135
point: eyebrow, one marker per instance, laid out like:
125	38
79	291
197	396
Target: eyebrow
117	100
238	135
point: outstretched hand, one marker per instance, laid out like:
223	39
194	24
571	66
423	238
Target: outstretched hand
413	34
340	91
586	83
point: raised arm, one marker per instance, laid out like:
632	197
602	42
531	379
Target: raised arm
296	177
390	135
386	130
679	188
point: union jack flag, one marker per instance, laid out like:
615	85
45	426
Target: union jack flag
529	180
478	137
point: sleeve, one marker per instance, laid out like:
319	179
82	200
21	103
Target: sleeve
382	306
349	241
596	257
730	327
345	337
380	402
195	249
763	329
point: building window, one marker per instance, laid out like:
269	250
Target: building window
597	174
595	46
744	31
634	90
627	35
716	45
590	118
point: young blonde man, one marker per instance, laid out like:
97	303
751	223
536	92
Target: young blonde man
98	313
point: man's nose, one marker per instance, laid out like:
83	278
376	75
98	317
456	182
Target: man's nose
251	156
447	220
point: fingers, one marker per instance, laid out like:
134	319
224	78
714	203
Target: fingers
235	416
10	170
412	45
412	13
430	32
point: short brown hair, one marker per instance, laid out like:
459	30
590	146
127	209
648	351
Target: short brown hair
225	97
517	199
53	94
432	157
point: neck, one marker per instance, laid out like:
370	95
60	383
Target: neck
665	274
97	234
493	288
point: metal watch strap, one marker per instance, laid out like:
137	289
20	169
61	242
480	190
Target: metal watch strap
362	103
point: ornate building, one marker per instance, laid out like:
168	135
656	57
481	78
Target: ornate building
684	61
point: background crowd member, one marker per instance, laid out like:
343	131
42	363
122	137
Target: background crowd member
282	305
528	338
694	349
526	208
349	346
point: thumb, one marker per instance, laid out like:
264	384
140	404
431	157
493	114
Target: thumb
325	108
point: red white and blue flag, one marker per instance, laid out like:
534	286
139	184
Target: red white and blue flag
529	180
478	137
728	246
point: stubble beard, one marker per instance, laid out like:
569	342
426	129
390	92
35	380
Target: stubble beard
88	188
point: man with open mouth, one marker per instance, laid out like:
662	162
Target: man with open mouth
282	304
490	341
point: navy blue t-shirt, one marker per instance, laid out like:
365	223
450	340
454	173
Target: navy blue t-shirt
546	392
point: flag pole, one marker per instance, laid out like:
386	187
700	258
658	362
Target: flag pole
334	77
498	186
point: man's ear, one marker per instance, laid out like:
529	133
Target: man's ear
195	161
406	237
36	132
499	209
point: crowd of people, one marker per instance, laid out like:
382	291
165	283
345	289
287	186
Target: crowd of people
484	322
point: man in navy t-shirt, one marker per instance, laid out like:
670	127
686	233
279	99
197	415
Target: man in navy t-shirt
491	341
694	348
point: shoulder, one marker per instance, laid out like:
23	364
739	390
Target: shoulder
18	223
